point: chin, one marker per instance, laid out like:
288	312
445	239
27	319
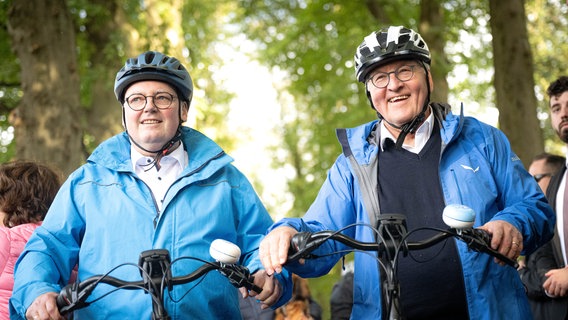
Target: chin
401	122
150	146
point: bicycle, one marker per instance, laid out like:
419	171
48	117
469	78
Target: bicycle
155	270
391	238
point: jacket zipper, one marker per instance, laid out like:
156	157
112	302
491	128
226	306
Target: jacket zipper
158	212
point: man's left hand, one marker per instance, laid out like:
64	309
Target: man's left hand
505	238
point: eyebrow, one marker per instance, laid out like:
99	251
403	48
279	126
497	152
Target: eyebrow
152	92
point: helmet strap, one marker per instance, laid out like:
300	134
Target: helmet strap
164	150
159	154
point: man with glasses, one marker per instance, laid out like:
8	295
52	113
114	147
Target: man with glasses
157	185
544	166
414	160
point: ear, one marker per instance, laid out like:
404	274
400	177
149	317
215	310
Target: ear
123	118
431	81
184	111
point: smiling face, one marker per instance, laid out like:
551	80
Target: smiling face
399	102
559	115
151	127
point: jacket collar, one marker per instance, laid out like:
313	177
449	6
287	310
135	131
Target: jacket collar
363	141
114	153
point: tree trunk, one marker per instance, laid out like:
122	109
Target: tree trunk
104	111
514	82
432	28
46	122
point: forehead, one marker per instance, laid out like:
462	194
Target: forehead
559	98
393	65
149	85
538	166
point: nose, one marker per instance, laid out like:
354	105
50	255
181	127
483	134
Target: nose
564	110
393	81
151	105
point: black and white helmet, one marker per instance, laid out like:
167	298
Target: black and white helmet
386	45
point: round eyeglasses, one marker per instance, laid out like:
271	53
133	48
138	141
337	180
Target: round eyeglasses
402	73
138	101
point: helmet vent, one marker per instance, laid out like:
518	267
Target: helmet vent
387	45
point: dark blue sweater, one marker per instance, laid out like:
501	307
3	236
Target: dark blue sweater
431	280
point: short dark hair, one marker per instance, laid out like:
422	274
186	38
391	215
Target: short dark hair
553	162
557	87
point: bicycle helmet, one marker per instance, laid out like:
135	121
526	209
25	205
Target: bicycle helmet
153	65
386	45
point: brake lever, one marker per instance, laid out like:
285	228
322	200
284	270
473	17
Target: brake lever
480	241
71	299
239	276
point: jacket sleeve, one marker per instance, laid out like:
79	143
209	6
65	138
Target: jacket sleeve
4	251
480	169
524	204
253	221
333	209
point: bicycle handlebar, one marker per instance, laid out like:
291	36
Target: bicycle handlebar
73	296
304	243
391	239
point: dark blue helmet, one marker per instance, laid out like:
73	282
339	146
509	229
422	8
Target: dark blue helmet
153	65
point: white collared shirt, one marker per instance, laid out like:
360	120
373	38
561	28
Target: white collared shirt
171	166
422	135
560	215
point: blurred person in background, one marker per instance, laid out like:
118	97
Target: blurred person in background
341	300
302	306
532	268
551	259
27	189
544	166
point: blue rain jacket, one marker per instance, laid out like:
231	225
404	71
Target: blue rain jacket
104	215
477	169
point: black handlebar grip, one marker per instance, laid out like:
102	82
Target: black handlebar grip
62	301
255	288
65	297
483	236
483	244
298	245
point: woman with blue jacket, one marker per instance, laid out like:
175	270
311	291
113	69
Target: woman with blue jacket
158	185
416	159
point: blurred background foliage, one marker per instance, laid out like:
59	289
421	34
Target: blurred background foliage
309	43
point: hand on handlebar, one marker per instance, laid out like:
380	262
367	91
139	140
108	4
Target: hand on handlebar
273	250
271	289
44	307
506	239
